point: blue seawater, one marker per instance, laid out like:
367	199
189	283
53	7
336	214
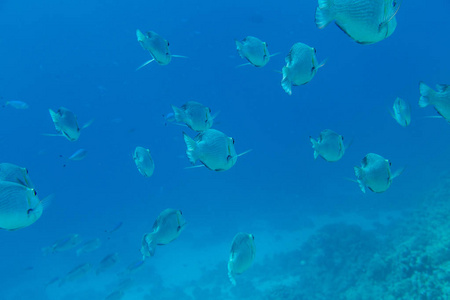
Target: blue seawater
311	224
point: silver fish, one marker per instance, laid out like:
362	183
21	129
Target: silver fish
330	146
401	112
19	206
63	244
375	173
16	104
89	246
301	66
166	228
254	50
365	21
156	45
76	273
144	162
78	155
440	98
66	123
13	173
212	148
195	115
242	255
107	262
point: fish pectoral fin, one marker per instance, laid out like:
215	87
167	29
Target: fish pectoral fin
398	172
194	167
87	124
53	134
144	64
179	56
245	152
241	65
275	54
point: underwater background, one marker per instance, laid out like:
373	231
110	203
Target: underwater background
317	235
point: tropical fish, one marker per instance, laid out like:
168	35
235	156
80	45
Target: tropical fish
401	112
242	255
375	173
254	50
330	146
19	206
63	244
13	173
107	262
89	246
76	273
440	98
365	21
115	228
16	104
157	46
144	161
78	155
66	124
301	66
213	149
166	228
195	115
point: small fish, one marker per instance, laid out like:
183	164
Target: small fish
66	124
16	104
330	146
166	228
63	244
89	246
401	112
115	228
157	46
107	262
242	255
78	155
375	173
134	266
195	115
213	149
301	66
144	162
19	206
76	273
440	98
365	21
254	50
52	281
116	295
13	173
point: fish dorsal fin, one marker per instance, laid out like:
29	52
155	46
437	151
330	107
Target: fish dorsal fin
442	87
389	17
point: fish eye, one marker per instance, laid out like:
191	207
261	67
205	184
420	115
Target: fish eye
168	44
253	237
390	164
35	193
232	140
315	51
181	212
394	3
209	109
26	170
29	211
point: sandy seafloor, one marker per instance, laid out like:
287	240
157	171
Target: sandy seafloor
390	255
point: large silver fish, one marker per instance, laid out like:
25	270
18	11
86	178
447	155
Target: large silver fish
330	146
242	255
144	161
401	112
375	173
19	206
195	115
254	50
157	46
301	66
212	148
166	228
365	21
13	173
440	98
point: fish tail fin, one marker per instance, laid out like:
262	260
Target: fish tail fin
358	173
144	64
191	148
324	14
239	48
231	277
178	114
315	144
285	82
425	93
